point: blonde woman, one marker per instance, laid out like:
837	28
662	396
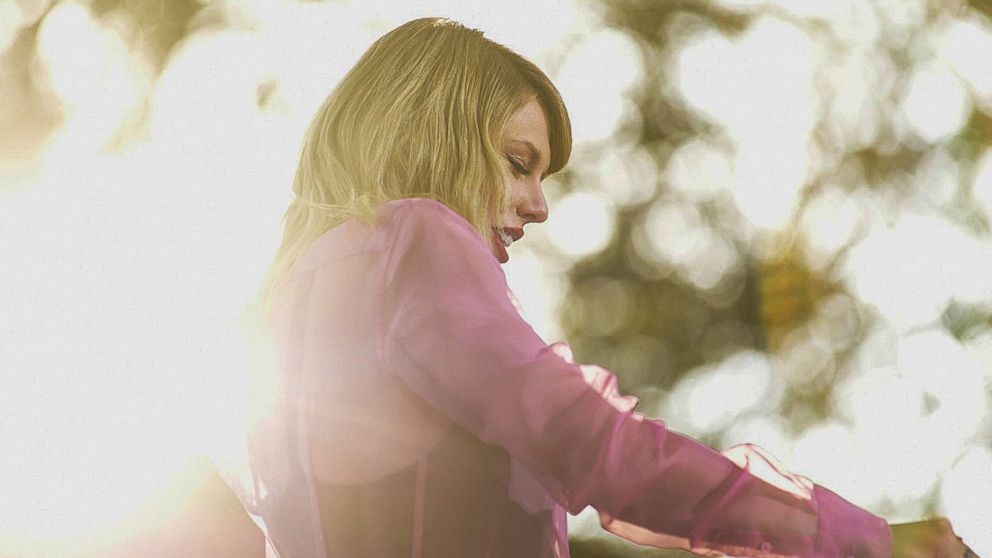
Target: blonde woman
414	412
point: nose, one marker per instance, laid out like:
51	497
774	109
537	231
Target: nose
533	208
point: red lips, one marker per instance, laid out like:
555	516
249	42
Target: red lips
499	248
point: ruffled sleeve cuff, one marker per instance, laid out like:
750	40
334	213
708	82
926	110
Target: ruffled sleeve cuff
849	531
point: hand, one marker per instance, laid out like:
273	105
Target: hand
929	539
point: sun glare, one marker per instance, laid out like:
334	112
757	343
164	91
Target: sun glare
140	227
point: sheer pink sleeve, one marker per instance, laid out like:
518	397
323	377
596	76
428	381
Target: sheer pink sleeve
450	331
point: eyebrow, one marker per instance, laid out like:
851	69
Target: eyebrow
535	156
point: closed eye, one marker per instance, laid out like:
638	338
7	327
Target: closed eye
518	166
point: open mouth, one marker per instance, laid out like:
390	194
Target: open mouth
501	240
504	237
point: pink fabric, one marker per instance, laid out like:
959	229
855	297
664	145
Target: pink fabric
409	331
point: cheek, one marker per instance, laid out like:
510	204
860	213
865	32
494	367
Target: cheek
510	181
517	189
517	195
509	175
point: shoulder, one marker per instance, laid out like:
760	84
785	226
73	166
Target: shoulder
403	226
423	211
418	219
428	234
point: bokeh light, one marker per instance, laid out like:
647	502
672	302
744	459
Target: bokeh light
774	228
582	224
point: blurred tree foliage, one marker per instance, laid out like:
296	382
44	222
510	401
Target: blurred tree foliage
152	26
672	326
653	326
983	6
771	294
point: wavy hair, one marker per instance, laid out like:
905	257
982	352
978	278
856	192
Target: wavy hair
419	115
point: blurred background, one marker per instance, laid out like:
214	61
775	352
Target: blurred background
775	228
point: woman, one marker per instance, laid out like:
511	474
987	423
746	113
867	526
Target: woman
413	412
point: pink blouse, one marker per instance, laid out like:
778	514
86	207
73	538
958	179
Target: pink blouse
418	414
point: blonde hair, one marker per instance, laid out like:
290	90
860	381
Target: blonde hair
419	115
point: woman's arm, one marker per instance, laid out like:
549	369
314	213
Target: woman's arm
450	331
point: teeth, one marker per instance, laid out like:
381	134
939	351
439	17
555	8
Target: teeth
506	238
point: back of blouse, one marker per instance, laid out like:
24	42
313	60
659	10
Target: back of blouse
419	415
393	475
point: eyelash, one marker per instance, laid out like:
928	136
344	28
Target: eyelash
518	167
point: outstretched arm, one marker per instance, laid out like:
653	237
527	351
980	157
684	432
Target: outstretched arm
452	334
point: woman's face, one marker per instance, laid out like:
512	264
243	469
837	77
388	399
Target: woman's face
526	154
